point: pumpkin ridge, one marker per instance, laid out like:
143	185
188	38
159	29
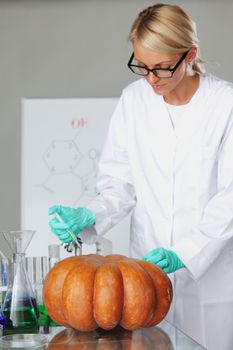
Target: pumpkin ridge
52	290
163	289
138	295
108	295
78	288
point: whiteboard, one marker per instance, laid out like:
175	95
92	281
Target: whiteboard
62	141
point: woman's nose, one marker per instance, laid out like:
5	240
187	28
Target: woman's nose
151	78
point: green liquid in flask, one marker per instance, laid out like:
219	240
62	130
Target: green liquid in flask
23	317
19	307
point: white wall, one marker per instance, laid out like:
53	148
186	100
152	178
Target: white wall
79	49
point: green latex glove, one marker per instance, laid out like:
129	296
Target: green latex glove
74	220
166	259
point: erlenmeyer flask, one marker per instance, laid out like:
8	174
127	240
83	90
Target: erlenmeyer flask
20	306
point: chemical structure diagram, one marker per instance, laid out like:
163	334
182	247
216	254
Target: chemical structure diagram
71	170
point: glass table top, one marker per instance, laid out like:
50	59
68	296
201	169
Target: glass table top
162	337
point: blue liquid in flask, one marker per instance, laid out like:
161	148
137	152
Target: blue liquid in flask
2	319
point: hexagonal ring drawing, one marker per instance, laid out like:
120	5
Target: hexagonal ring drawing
62	157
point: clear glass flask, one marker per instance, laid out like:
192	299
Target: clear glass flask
19	306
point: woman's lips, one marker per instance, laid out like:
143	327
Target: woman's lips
157	86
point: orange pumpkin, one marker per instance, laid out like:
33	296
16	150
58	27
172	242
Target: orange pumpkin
91	291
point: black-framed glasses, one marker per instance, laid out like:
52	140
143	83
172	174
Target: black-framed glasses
158	72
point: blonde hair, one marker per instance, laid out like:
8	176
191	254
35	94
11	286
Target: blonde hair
168	29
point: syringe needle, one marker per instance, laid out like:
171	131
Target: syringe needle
75	239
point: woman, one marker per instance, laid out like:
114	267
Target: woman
168	159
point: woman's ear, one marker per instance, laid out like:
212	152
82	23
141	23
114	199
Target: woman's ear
191	55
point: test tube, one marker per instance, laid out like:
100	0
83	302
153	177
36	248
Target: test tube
2	321
30	269
44	264
54	254
103	246
6	274
40	268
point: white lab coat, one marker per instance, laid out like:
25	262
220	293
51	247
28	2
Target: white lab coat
178	183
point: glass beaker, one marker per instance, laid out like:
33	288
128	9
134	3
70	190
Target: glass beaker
19	306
